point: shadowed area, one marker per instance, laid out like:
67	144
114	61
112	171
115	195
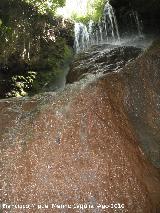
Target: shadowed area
96	142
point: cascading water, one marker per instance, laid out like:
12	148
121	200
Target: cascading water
82	37
110	18
105	31
95	33
138	23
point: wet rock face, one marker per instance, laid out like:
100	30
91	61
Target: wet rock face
148	11
84	145
101	59
142	91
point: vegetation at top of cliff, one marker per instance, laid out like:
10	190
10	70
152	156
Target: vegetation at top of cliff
94	11
44	6
33	46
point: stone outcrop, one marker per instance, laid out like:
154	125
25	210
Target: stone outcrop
90	143
103	58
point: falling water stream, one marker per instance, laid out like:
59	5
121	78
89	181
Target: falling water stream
105	31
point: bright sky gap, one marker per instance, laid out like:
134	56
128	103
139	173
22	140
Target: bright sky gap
78	7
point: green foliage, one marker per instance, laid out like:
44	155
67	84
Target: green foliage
44	6
68	52
29	41
94	12
83	19
98	8
51	64
21	84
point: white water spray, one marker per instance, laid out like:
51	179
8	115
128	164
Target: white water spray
96	33
112	21
105	31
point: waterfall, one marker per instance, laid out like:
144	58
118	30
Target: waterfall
112	21
138	23
100	31
82	37
95	33
134	24
91	37
105	31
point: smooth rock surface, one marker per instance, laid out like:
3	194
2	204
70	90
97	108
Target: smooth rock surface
90	143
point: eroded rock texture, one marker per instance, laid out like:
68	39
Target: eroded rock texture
102	58
86	144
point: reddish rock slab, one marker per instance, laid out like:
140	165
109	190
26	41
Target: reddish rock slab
81	145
